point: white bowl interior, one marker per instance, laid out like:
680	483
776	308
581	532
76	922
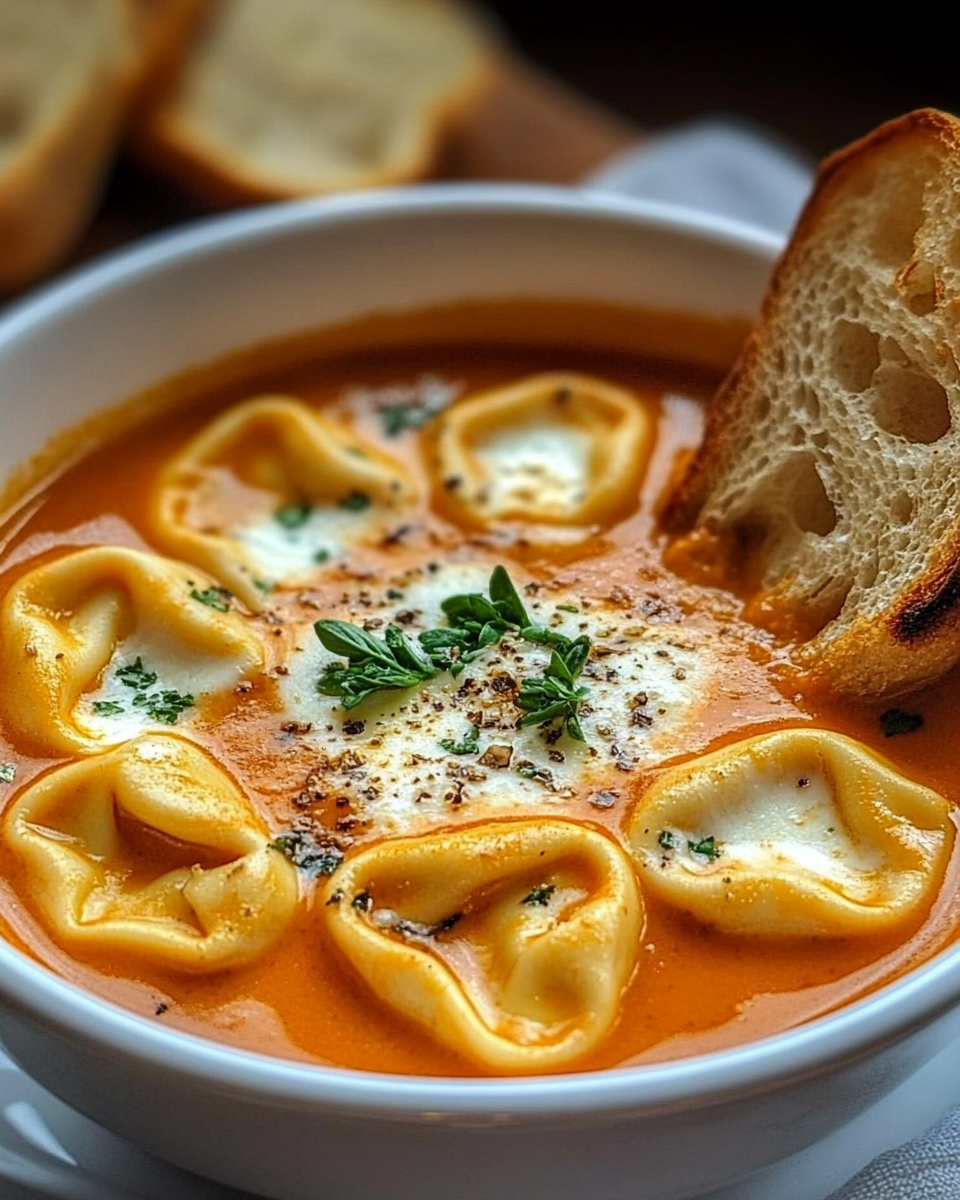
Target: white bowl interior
190	298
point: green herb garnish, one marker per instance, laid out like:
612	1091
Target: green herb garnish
570	608
355	502
373	665
8	772
107	708
707	846
213	597
293	516
305	852
469	745
396	418
478	621
554	696
540	894
136	675
898	720
321	556
165	706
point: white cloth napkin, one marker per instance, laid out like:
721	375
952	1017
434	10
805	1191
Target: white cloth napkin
734	169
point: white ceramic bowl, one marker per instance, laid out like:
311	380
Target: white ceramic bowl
298	1132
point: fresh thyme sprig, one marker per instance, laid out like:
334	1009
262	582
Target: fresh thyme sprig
478	621
555	696
372	665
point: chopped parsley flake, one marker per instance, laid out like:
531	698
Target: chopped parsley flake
529	770
397	418
468	745
355	502
165	706
709	847
8	772
570	608
136	675
213	597
540	894
305	852
321	556
293	516
898	720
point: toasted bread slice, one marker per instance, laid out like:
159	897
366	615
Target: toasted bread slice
64	79
829	474
162	29
298	97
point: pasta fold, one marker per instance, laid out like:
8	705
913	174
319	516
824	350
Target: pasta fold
559	449
152	850
510	942
797	832
63	624
267	492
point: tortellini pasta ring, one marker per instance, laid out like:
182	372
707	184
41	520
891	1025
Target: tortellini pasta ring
559	449
61	624
273	451
798	832
209	892
511	942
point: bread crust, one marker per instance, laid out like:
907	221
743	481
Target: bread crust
164	140
916	635
53	179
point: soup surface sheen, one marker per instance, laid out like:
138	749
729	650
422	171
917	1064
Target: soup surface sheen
412	880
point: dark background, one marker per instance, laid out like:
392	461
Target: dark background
821	83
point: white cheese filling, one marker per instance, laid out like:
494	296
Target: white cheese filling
644	683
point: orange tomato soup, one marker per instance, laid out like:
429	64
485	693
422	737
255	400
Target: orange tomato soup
693	989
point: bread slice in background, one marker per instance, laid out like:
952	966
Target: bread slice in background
828	481
64	80
161	31
286	98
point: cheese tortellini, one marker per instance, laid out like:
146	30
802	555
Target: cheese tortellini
267	492
796	832
511	941
152	850
70	627
561	450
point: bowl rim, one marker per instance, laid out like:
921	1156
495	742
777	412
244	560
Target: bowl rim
854	1031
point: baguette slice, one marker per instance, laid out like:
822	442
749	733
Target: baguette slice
829	475
299	97
162	29
64	80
